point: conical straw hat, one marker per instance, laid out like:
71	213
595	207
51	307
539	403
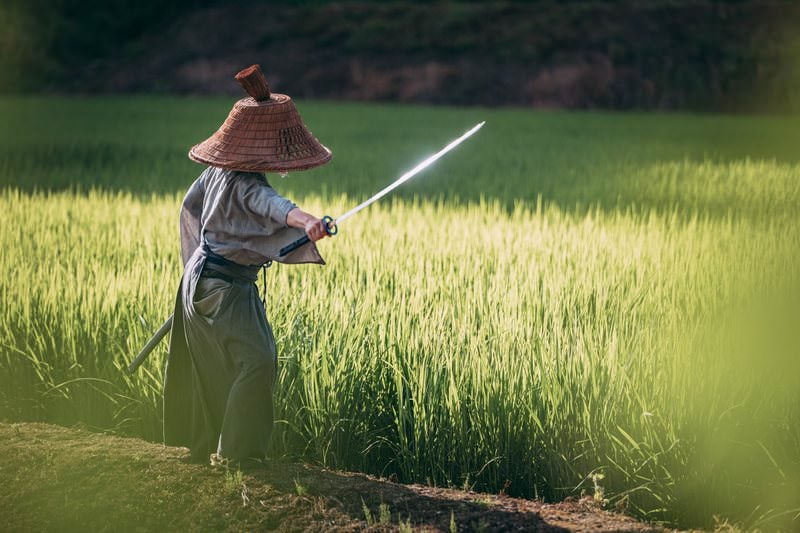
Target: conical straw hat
262	133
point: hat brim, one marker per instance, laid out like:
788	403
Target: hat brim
260	137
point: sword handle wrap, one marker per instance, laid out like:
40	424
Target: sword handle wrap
330	227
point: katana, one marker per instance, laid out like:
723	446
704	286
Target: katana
332	224
152	343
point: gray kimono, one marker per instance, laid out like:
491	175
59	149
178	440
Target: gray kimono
222	357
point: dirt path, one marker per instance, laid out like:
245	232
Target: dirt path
59	479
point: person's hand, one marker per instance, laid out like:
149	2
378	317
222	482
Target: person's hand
316	229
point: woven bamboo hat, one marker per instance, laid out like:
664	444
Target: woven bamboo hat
263	132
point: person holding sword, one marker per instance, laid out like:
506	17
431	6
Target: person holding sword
222	360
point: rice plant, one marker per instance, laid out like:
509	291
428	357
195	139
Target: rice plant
571	304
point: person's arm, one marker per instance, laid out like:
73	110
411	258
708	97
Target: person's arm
313	226
262	200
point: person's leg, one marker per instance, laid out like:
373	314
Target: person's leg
213	370
247	425
250	346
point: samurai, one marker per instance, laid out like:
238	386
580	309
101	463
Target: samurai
222	362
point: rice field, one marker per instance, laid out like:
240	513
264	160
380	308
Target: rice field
570	303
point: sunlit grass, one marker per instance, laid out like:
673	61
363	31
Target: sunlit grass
631	332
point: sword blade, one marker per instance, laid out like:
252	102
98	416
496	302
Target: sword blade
410	174
333	225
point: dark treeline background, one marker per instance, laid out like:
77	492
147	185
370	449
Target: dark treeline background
662	54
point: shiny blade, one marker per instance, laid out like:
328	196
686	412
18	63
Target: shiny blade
411	173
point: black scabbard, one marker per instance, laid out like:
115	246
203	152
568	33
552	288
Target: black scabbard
294	246
151	344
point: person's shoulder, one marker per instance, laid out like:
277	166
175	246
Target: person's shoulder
252	180
254	177
235	178
211	174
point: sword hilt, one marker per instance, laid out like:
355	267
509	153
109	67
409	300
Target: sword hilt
330	227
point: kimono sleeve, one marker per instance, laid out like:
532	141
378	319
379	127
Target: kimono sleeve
263	201
191	213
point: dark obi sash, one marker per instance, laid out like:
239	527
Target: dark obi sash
217	266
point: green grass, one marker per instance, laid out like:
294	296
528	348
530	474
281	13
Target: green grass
569	303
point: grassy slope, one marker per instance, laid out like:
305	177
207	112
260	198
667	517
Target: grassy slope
58	479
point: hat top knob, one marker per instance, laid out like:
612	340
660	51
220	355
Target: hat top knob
253	81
